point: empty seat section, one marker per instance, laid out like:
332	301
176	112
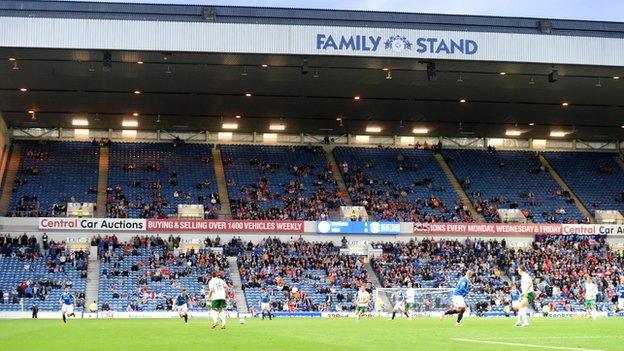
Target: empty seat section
279	182
399	184
150	180
595	177
511	179
52	173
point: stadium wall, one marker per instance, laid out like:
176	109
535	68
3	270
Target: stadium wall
107	34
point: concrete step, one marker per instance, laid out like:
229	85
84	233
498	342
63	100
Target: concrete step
241	301
93	282
564	186
102	182
458	188
217	162
9	176
331	160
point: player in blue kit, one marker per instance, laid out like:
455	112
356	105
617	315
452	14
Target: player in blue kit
67	304
399	304
620	294
181	305
265	303
459	304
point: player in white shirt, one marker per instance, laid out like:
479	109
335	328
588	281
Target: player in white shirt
527	297
591	291
362	300
410	298
216	295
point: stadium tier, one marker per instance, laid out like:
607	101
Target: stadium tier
51	174
145	273
507	179
150	180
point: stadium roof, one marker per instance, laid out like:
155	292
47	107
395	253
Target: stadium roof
294	16
198	91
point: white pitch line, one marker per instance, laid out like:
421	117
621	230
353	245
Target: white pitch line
524	345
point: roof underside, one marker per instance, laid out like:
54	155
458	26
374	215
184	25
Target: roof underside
198	91
184	91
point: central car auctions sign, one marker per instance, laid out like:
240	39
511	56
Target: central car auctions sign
225	226
118	224
486	228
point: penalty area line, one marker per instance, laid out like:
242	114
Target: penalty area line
523	345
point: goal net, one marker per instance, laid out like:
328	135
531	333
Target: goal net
426	300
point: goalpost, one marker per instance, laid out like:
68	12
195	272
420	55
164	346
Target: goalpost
427	301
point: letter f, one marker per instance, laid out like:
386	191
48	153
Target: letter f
320	40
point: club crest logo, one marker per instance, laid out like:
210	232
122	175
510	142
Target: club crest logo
398	43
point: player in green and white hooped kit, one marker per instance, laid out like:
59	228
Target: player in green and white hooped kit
527	296
217	293
410	297
362	300
591	291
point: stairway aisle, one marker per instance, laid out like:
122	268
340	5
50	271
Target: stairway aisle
331	160
217	161
93	281
102	182
241	302
11	171
458	188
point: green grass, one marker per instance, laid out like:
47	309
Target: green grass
311	334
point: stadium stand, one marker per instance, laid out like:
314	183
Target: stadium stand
400	185
33	273
300	275
149	180
595	177
279	182
512	179
51	174
147	273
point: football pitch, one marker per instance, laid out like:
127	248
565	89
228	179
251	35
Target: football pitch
313	334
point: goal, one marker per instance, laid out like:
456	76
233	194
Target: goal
427	301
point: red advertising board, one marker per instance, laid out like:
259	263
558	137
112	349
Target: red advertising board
224	226
486	228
